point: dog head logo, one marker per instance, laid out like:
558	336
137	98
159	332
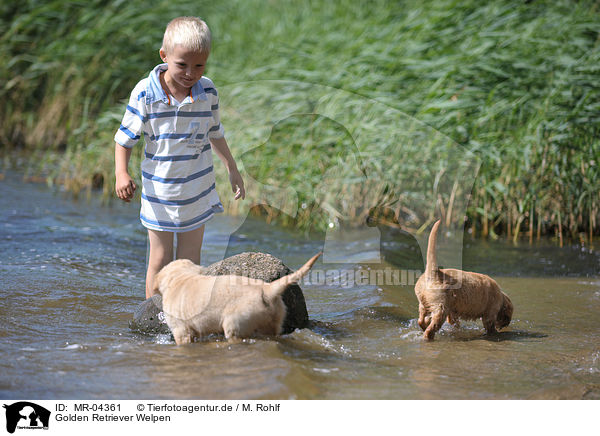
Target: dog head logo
369	159
25	415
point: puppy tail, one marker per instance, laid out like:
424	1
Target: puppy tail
278	286
432	267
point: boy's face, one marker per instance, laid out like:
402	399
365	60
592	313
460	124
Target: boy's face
185	67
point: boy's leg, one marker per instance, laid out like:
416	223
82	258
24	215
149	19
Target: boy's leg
161	253
189	245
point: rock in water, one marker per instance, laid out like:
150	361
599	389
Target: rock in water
148	318
267	268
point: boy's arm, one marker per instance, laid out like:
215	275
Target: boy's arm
124	185
219	145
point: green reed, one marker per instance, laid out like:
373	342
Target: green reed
513	82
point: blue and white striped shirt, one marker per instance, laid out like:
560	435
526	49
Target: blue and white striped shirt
178	181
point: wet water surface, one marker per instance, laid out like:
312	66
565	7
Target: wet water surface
72	274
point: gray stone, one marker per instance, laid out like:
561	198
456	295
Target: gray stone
148	317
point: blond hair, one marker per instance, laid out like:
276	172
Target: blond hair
189	32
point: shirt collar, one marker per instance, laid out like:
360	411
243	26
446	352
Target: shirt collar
155	92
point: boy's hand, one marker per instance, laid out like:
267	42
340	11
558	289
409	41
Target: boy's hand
125	187
237	184
220	147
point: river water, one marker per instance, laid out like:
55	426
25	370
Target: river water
72	273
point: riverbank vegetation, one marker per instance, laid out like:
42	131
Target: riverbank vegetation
411	109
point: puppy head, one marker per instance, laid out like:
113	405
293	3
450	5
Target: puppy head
505	314
269	318
173	272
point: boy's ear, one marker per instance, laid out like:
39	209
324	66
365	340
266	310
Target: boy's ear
163	55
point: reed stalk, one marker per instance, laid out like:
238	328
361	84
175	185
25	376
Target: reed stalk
515	83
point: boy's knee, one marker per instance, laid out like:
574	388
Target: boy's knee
159	260
161	249
189	245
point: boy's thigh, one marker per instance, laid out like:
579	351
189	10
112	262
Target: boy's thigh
161	244
189	244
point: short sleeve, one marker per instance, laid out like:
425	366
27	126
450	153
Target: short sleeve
216	129
131	128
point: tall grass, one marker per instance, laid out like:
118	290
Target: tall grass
513	82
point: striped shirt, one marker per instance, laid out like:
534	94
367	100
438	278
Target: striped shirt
178	181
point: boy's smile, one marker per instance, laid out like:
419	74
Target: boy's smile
185	68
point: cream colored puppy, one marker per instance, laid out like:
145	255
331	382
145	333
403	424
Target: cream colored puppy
196	305
452	294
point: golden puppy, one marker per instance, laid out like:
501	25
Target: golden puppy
452	294
196	305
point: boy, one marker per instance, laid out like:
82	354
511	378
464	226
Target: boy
177	109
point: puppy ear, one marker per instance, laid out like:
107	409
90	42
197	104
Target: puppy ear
505	314
508	306
156	283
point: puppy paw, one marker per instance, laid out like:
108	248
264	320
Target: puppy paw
182	338
428	335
